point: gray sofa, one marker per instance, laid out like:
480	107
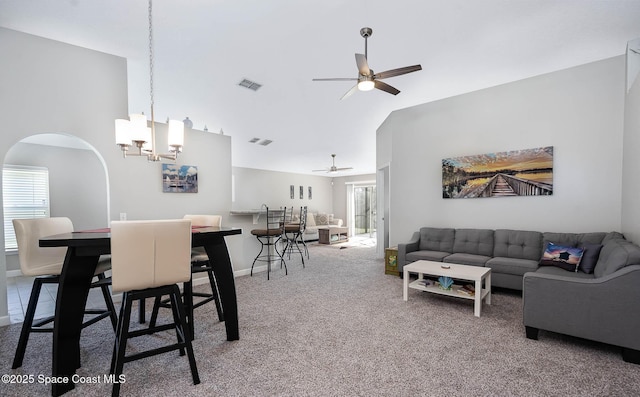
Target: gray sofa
601	305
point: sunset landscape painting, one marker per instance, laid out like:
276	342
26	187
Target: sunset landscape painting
527	172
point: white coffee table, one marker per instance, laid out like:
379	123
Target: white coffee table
476	274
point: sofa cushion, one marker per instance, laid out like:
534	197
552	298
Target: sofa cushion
311	220
436	239
519	244
590	257
612	236
615	255
473	241
426	255
514	266
556	271
466	259
562	256
573	239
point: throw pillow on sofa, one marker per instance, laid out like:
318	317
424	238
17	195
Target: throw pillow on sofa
589	257
322	219
562	256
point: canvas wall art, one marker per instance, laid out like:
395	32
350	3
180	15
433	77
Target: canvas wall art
526	172
179	178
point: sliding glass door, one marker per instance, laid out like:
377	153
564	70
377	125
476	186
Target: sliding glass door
364	208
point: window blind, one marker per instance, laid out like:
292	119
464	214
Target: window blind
25	192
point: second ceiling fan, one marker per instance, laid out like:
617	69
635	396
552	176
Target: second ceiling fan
333	167
367	79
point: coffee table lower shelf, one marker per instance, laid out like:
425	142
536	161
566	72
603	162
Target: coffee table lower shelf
454	291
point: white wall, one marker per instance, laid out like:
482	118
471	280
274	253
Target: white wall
631	187
253	187
578	111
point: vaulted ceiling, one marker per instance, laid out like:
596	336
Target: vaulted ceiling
204	48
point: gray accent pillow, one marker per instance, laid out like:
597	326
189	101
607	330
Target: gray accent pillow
589	257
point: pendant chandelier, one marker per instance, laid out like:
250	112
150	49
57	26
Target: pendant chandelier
136	135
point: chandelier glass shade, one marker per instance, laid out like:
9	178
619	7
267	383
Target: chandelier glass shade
136	134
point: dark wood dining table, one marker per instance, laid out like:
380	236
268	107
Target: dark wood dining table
83	253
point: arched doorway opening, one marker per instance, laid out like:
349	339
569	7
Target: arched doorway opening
78	189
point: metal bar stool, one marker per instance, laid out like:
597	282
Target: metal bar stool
293	235
269	238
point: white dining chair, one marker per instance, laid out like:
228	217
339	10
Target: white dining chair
45	264
199	264
148	259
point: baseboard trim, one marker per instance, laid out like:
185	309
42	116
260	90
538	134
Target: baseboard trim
246	272
13	273
4	321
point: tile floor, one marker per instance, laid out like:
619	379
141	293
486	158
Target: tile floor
19	291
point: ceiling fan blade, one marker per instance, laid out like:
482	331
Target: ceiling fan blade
397	72
345	168
386	87
350	92
320	170
336	79
363	66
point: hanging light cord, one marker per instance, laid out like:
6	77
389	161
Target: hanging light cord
153	127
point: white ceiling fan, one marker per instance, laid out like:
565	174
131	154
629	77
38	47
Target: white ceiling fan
367	79
333	167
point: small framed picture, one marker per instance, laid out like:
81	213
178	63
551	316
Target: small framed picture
310	194
179	178
301	192
292	192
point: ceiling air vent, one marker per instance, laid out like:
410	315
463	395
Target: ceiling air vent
265	142
254	140
250	84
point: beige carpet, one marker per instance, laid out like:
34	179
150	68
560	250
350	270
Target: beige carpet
339	327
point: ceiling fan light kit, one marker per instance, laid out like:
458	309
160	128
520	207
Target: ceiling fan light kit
367	80
366	83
